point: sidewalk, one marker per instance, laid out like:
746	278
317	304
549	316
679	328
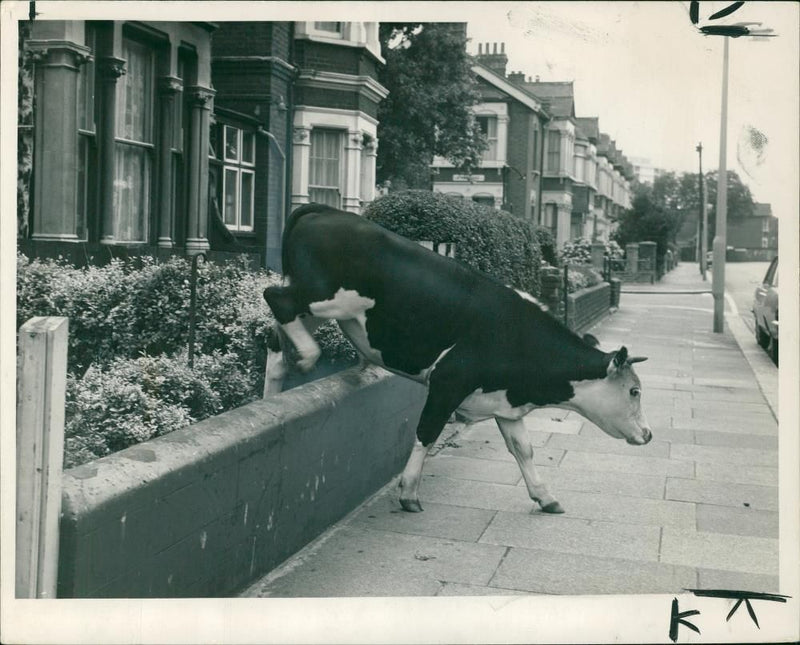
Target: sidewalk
695	508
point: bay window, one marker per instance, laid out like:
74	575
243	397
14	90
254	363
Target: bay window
325	170
488	126
554	151
87	139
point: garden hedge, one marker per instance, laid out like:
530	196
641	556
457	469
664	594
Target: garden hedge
492	241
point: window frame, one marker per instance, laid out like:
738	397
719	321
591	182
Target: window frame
146	146
339	188
240	168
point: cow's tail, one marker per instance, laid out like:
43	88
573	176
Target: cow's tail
299	212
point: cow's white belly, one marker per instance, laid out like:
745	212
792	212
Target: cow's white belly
482	405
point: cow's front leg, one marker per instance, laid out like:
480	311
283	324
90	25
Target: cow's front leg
519	445
296	322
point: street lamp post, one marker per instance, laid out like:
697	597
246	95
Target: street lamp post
720	235
702	223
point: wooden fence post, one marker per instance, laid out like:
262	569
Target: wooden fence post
41	385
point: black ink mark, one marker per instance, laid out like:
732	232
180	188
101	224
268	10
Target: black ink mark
694	12
726	11
32	10
739	596
737	30
677	618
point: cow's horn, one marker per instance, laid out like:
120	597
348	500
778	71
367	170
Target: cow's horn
636	359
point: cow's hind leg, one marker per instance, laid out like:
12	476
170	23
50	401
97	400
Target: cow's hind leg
444	396
519	445
294	318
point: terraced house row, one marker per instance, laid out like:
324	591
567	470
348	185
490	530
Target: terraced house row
157	138
543	162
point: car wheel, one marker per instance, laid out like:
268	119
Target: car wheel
762	337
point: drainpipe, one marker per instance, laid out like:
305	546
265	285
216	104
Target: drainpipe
542	143
271	137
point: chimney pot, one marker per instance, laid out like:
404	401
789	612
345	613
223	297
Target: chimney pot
502	48
480	49
537	78
495	48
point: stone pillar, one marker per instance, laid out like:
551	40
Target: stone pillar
197	213
632	258
169	87
598	255
351	200
370	158
56	138
647	251
564	224
301	159
109	69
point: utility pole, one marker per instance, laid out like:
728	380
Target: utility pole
702	223
720	236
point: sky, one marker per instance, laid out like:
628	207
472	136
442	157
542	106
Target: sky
655	81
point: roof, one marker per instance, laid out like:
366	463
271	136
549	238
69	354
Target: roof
589	126
560	96
512	89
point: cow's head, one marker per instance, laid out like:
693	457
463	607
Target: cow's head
614	403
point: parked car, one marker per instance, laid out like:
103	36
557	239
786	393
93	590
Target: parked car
765	311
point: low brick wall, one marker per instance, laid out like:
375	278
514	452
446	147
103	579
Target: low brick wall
587	306
203	511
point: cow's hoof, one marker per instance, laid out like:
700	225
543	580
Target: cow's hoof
553	507
411	505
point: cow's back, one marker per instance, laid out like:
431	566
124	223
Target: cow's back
424	302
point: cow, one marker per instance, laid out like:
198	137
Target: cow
484	350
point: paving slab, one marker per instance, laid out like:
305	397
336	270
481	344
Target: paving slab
735	440
497	451
607	445
566	426
718	551
738	426
737	521
716	579
628	464
627	510
456	589
724	455
539	571
758	475
598	481
570	535
491	470
438	520
475	494
356	561
723	493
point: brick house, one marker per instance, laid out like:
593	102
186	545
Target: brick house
513	120
754	237
160	138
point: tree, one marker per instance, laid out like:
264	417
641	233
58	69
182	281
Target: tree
428	110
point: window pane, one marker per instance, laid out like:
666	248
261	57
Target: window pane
246	217
231	143
231	187
134	102
325	160
82	180
248	147
131	193
335	27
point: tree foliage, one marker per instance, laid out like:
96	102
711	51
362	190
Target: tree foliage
427	113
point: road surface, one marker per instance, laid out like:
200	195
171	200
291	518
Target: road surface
741	279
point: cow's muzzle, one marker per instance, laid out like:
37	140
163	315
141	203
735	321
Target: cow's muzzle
640	441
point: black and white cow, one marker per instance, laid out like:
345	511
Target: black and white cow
483	349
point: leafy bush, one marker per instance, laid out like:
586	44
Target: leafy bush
488	240
579	251
581	277
129	378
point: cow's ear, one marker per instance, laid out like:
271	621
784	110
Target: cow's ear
621	357
590	340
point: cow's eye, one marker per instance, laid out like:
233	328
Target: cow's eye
635	391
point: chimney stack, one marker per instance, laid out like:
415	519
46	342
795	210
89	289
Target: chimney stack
491	58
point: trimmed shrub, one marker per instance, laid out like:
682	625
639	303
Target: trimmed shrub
579	251
491	241
581	277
